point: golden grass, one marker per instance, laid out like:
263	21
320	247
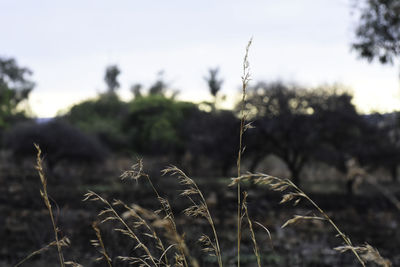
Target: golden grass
137	222
245	82
199	208
292	192
63	242
45	196
144	226
252	233
100	244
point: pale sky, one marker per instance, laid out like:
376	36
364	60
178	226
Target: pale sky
68	44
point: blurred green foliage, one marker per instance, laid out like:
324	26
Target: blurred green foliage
15	88
298	125
103	118
154	122
377	33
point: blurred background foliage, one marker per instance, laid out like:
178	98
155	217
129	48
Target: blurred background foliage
315	136
298	125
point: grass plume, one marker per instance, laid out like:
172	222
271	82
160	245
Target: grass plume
245	82
295	194
168	221
100	244
252	233
199	208
111	214
45	196
63	242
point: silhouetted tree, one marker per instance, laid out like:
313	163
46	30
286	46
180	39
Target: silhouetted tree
212	138
291	138
111	78
159	87
381	143
15	88
214	83
299	125
344	135
282	125
378	30
276	98
136	90
340	127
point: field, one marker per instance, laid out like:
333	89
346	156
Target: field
366	217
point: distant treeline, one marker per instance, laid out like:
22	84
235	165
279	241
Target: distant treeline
296	124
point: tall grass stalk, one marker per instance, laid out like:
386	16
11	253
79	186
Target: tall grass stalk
252	233
62	242
99	243
142	218
43	193
111	214
296	194
198	209
135	173
245	81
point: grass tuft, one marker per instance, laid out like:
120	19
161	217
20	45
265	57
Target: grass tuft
199	208
144	227
295	194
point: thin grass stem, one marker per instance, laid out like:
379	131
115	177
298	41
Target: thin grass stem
245	81
43	192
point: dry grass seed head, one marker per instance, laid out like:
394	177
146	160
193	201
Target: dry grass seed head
73	264
113	215
135	172
63	242
208	245
198	208
136	261
43	192
182	177
98	243
368	254
196	211
139	215
252	234
297	218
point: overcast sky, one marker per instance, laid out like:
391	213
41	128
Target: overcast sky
68	44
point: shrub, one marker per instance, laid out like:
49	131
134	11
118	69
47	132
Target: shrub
103	118
212	137
59	141
153	122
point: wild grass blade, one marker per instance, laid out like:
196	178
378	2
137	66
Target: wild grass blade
44	194
199	208
245	82
99	243
62	242
295	194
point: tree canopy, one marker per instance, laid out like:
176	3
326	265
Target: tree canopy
378	30
300	125
15	87
153	123
111	78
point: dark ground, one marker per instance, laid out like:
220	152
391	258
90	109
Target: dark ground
367	217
